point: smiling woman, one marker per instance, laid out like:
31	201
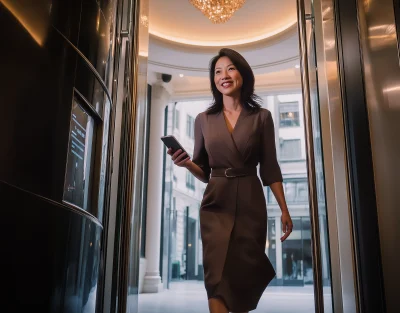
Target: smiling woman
233	215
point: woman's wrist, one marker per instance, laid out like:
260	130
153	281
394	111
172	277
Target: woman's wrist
285	210
188	164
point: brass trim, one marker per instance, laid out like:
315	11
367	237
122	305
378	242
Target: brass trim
127	178
80	211
64	205
88	64
88	106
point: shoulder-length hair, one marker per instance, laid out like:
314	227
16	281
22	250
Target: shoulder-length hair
249	100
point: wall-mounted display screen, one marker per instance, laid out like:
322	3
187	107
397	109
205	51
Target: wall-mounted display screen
79	161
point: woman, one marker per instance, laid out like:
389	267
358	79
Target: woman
231	138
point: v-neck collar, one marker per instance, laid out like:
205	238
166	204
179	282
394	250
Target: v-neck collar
232	140
228	124
226	120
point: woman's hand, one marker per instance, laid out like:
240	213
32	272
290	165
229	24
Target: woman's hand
180	158
287	224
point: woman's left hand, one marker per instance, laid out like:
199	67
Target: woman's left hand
287	225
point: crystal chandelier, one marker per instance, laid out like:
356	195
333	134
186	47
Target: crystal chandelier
218	11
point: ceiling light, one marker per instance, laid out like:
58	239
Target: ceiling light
180	75
218	11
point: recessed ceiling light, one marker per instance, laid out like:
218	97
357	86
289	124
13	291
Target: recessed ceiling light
180	75
297	66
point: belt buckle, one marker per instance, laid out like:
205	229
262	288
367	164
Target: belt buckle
228	176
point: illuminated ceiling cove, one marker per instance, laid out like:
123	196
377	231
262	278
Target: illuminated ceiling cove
183	40
179	21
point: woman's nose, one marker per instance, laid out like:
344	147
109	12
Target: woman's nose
225	75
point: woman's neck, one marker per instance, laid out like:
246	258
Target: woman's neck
232	104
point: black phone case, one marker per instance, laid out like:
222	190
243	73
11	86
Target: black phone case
173	143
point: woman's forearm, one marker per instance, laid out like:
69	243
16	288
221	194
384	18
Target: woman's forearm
196	171
277	190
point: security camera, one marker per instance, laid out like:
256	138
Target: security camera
166	78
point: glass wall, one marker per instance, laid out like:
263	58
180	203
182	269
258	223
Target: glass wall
185	194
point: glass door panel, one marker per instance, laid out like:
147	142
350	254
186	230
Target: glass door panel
292	256
318	226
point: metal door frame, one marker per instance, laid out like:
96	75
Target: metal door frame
338	201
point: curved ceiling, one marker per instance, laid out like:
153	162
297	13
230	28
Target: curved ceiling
173	58
181	22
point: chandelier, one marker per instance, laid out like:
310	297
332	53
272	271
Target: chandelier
218	11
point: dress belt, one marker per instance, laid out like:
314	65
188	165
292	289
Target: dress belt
234	172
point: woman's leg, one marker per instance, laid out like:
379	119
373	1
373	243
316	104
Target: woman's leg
217	305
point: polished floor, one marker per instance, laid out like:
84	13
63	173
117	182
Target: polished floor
190	297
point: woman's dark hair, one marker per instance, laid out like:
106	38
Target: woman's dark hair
248	99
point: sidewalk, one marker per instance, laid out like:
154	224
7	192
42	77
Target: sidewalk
190	297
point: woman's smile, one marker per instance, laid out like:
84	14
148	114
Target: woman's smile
227	84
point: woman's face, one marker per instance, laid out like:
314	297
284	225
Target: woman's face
227	78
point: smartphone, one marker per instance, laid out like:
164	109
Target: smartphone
171	142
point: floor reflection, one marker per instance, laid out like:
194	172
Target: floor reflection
90	306
190	297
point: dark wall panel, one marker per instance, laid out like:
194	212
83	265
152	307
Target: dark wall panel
54	258
40	69
51	254
36	94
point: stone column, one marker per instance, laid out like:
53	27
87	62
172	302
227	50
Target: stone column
159	100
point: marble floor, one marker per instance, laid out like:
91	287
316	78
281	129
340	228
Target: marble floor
190	297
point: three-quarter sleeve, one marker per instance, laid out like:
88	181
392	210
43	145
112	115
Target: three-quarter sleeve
200	156
270	171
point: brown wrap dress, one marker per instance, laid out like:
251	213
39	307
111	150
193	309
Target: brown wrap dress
233	214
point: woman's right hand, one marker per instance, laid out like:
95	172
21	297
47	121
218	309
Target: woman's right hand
180	158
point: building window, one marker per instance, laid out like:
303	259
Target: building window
190	127
190	181
289	114
290	149
302	191
296	191
290	191
177	119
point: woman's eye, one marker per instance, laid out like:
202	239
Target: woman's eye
217	72
232	68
